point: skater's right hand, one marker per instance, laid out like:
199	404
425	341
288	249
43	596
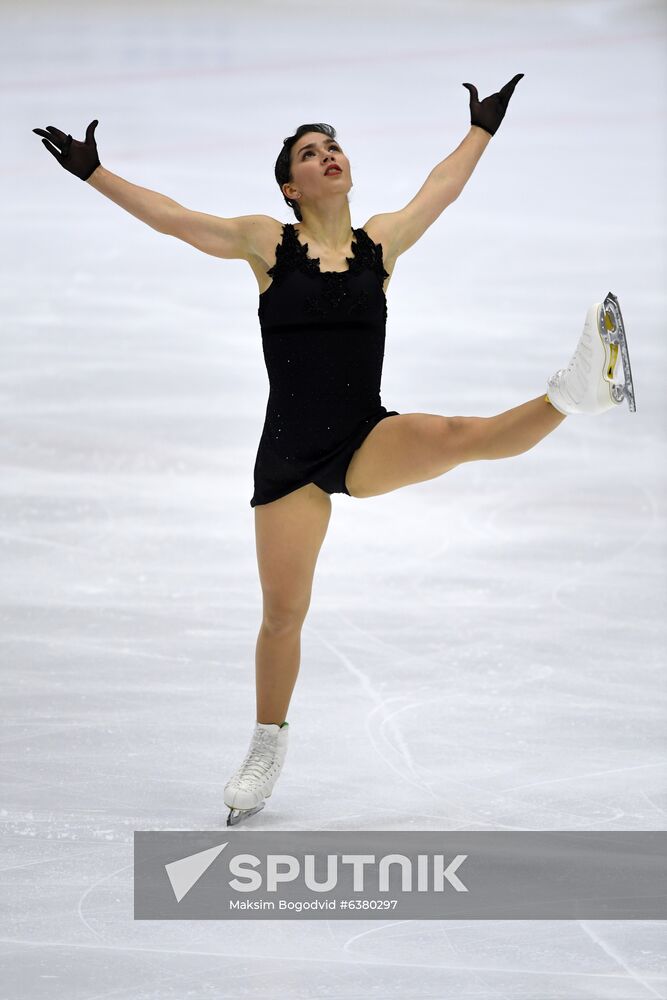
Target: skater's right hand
80	158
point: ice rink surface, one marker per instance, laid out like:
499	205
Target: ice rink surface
483	651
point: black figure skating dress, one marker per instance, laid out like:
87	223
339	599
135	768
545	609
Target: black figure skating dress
323	337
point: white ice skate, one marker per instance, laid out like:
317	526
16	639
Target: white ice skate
588	384
253	782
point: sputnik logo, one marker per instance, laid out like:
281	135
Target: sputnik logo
185	872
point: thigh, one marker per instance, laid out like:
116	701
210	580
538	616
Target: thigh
405	449
289	533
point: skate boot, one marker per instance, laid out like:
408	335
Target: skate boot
253	782
588	384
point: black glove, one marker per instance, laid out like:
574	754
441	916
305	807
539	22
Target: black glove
489	113
80	158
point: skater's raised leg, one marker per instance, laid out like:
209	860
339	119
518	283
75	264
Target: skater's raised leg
414	447
512	432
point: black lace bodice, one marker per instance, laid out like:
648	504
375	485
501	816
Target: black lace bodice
332	291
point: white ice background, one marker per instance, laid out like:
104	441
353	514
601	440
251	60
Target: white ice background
484	651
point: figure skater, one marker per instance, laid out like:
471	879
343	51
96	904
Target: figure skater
322	313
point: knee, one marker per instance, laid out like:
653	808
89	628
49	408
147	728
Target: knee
463	437
283	618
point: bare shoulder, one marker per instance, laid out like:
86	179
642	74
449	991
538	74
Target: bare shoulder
382	229
264	235
240	238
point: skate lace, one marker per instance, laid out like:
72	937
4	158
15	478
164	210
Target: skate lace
580	364
259	759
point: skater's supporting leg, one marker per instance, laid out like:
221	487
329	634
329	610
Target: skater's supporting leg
289	534
277	660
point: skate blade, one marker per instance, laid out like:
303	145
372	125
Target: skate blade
612	331
236	815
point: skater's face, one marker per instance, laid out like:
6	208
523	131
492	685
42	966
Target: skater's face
311	155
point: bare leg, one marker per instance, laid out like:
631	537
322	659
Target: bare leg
277	660
413	447
513	431
289	535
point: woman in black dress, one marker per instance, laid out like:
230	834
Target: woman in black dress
322	312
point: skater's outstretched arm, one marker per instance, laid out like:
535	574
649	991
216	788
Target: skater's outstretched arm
400	230
81	159
453	173
156	210
229	238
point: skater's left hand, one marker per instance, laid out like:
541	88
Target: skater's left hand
489	113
